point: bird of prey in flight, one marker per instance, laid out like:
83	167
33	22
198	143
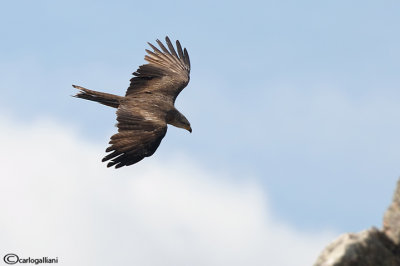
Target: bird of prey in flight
148	105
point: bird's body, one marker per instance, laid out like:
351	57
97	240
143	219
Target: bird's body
148	105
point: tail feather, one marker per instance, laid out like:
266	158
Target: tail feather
100	97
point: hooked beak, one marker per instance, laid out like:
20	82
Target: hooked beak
188	128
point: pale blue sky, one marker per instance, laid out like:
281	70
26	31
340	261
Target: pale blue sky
303	96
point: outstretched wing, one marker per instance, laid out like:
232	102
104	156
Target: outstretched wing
167	71
138	137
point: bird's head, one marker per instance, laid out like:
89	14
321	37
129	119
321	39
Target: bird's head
188	127
183	123
175	118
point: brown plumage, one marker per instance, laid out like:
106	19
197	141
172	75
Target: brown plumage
148	105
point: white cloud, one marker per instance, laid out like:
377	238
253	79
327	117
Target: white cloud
57	199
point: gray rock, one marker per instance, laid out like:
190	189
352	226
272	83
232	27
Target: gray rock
367	248
371	247
391	220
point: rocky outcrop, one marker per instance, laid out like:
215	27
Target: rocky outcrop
372	247
391	220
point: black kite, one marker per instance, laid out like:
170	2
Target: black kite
148	105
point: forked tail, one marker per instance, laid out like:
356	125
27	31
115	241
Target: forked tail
100	97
